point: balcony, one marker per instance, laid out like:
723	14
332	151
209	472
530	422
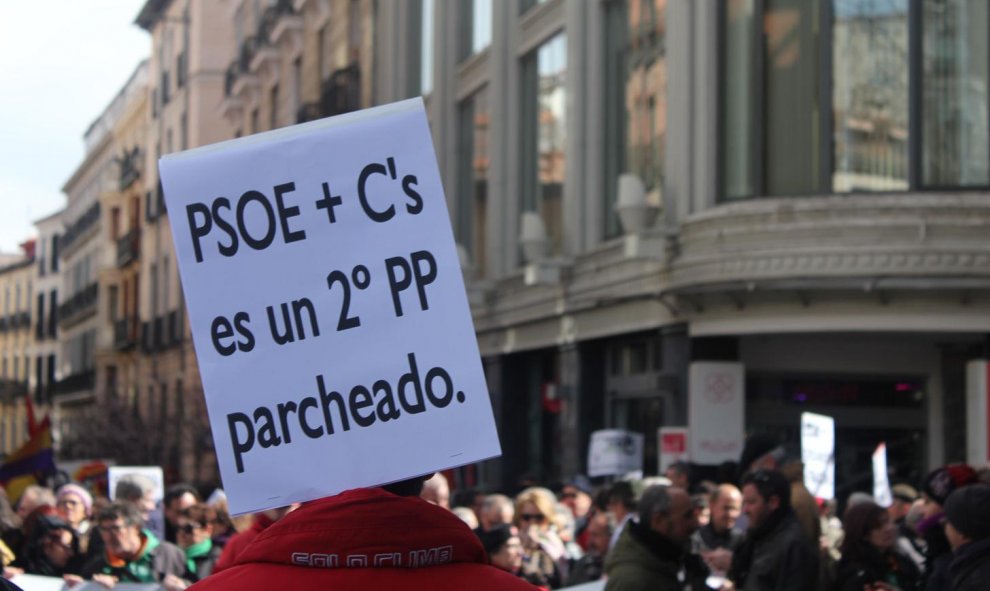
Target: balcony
130	167
79	306
124	334
79	228
128	248
341	92
75	383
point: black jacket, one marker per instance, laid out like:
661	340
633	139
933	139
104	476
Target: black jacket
970	568
776	557
893	568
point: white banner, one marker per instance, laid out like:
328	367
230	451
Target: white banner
38	583
328	309
614	452
156	521
716	411
881	484
818	454
672	443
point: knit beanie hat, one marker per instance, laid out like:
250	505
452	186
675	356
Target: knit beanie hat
79	492
967	510
941	482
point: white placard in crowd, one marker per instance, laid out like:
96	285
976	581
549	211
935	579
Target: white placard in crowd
818	454
716	410
881	483
328	308
156	521
39	583
614	451
672	445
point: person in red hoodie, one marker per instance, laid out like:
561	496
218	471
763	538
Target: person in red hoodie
239	542
371	538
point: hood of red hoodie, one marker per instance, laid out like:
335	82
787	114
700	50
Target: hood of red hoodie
366	528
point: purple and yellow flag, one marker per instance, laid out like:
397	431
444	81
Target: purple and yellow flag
32	462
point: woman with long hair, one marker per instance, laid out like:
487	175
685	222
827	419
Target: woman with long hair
870	559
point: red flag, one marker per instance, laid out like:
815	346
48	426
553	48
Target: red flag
34	427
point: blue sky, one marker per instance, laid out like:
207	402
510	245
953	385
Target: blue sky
61	63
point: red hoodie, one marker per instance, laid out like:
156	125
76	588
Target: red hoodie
365	539
239	542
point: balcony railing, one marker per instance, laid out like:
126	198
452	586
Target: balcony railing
79	227
79	306
341	92
128	247
124	334
15	321
75	383
130	167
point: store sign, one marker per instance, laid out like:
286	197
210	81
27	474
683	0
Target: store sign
881	482
716	410
978	412
614	452
328	308
673	445
818	454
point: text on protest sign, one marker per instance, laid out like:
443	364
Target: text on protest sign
614	452
328	307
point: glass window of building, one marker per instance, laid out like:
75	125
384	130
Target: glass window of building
543	130
825	96
476	28
635	98
955	88
870	95
473	151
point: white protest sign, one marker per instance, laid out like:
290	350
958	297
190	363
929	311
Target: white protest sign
818	454
156	520
39	583
716	410
673	445
881	484
327	306
614	451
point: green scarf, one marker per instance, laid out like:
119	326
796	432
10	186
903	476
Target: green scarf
138	570
197	551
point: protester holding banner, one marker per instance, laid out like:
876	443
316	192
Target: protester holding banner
869	553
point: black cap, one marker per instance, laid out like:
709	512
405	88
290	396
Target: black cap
495	538
968	510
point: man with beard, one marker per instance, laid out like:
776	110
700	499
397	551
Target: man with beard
776	554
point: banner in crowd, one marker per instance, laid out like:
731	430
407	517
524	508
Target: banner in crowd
328	308
818	454
881	481
716	411
39	583
614	452
672	442
156	521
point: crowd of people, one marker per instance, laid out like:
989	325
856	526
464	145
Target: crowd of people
759	529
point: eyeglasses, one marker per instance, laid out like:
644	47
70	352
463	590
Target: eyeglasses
537	517
188	528
114	528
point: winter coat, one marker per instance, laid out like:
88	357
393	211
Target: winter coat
642	560
776	557
364	539
157	559
893	568
240	541
970	567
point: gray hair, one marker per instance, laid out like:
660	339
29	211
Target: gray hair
496	502
132	487
654	499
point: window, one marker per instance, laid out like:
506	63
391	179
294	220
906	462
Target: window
474	129
273	114
421	80
476	33
955	74
823	96
543	129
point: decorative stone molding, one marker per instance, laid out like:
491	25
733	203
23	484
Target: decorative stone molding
890	236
